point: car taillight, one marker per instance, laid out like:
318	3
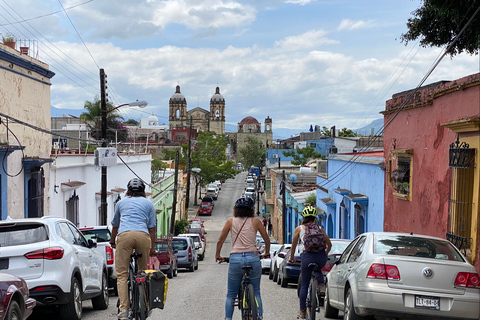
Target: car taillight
189	252
467	280
383	271
199	245
168	255
327	267
109	255
53	253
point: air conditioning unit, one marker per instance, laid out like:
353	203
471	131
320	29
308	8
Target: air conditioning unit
275	156
105	157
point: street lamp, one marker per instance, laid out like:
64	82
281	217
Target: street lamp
103	196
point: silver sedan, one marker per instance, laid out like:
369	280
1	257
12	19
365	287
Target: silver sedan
402	275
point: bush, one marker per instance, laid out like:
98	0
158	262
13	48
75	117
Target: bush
181	226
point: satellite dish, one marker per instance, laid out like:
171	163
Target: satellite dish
292	177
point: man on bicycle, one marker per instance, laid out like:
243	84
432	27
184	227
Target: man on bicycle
244	227
134	222
316	246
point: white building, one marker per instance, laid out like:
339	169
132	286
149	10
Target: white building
75	185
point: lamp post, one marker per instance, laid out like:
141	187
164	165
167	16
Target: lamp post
141	104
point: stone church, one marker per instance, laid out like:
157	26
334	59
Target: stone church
213	120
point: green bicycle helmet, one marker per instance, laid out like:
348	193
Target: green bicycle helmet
309	212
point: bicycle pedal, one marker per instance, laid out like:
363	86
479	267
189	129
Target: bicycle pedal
235	302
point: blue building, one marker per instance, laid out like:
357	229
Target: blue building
353	198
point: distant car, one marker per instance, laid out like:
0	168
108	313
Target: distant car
212	192
199	231
59	265
260	242
205	209
219	184
277	260
186	253
166	260
274	247
402	275
290	271
250	195
200	245
198	221
214	185
16	303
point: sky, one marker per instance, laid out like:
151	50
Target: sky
299	62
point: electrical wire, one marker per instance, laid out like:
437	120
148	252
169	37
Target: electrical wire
5	154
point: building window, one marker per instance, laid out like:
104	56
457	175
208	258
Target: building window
35	194
400	167
313	145
359	220
460	211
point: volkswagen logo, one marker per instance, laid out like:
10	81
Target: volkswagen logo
427	273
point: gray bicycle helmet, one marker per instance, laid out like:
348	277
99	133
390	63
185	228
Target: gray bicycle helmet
136	185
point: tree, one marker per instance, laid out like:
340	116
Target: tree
93	119
210	157
302	155
347	133
157	167
438	22
311	200
171	154
131	122
325	131
253	154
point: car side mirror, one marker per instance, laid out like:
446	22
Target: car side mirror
92	243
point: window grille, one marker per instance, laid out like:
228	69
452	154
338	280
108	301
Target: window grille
35	196
72	209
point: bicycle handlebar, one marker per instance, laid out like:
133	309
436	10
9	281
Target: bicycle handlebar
227	259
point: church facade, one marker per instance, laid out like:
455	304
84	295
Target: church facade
250	127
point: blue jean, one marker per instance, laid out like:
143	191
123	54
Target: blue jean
320	258
235	275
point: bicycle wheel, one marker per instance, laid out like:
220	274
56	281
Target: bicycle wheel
142	306
131	289
311	300
251	303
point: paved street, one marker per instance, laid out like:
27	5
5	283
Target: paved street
201	294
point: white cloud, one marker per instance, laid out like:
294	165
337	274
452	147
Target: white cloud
310	39
300	2
347	24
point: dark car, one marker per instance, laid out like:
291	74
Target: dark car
15	301
290	271
205	208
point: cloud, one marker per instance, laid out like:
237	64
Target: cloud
347	24
309	39
300	2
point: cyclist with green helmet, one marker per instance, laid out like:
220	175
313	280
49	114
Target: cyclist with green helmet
310	256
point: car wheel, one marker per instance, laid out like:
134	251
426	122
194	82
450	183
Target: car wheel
279	277
192	268
349	312
270	273
196	266
72	310
275	274
175	272
101	301
170	273
14	312
329	312
284	281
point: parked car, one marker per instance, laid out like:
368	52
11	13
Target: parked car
166	259
290	271
59	265
102	235
199	231
402	275
214	185
276	260
250	195
274	247
197	221
212	192
186	253
16	303
205	208
199	244
260	242
219	184
338	246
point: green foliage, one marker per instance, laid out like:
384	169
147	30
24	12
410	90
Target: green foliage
131	122
157	167
93	118
437	22
311	200
347	133
302	155
181	226
325	131
253	154
8	37
171	154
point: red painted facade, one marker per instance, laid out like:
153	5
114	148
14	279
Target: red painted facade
418	128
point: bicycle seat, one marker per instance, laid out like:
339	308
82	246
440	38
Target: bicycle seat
136	255
247	268
312	265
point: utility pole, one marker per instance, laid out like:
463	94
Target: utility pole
174	205
284	211
189	165
103	104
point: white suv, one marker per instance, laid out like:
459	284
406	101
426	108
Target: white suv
59	265
199	244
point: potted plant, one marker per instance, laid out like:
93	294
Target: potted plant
9	40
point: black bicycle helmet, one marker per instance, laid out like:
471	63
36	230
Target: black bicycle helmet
136	185
309	212
244	202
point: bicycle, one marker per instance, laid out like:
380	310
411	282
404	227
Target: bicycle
314	302
245	300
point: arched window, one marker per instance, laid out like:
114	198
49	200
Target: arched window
217	114
177	114
359	219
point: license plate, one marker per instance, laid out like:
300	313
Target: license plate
4	263
427	302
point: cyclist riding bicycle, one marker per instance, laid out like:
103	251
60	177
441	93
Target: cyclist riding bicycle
134	223
316	246
243	227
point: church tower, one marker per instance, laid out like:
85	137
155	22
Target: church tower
268	124
217	113
177	105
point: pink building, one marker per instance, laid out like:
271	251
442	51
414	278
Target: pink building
431	145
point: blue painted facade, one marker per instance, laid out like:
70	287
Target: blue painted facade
321	145
354	200
294	207
274	155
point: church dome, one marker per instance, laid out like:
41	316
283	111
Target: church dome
177	96
249	120
152	118
217	97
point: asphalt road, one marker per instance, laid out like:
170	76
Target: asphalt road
201	294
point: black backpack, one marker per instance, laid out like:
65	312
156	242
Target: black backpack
314	240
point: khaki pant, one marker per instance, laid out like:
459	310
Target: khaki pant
126	242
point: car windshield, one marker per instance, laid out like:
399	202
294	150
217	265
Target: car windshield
274	247
416	246
205	206
161	247
179	244
20	234
338	247
195	230
101	235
